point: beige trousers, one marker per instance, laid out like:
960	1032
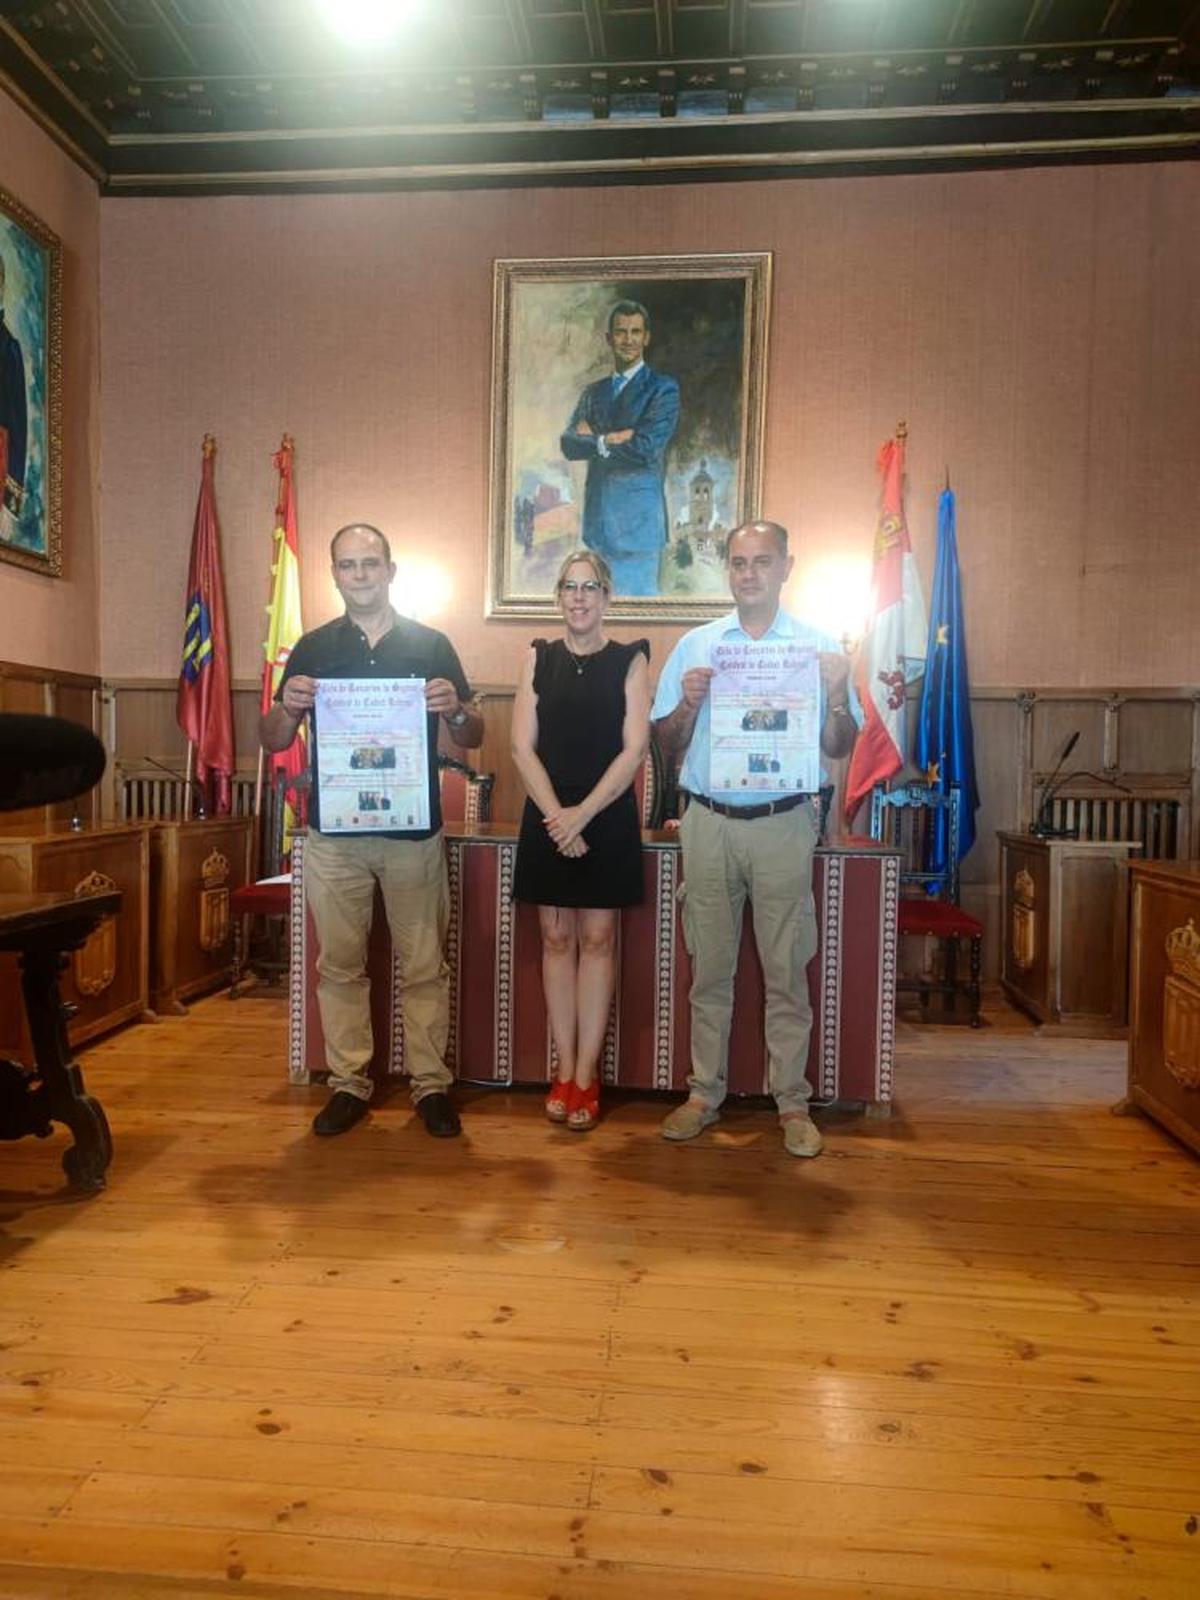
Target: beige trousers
768	861
340	877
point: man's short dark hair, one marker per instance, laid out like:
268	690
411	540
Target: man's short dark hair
776	529
628	308
360	527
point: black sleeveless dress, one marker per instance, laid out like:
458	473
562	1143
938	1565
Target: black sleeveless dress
581	715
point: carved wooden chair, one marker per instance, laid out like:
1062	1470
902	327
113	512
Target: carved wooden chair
466	794
267	901
910	817
466	797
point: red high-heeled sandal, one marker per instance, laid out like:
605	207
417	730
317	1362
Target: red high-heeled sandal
560	1102
585	1108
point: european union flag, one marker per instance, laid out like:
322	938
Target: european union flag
945	741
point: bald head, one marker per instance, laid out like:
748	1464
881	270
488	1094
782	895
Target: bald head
772	530
362	528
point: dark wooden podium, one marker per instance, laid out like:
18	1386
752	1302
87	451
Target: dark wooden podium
1065	928
1164	1023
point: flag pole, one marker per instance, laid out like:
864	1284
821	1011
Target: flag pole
257	844
187	782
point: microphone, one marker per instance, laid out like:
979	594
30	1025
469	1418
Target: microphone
197	786
1041	827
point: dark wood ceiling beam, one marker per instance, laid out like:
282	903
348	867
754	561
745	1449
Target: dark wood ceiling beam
664	22
454	10
518	21
594	21
1037	11
960	27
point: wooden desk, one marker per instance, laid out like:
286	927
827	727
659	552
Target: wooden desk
498	1031
1164	995
1065	922
107	979
194	868
38	930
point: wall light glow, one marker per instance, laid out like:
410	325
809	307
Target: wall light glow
421	589
364	22
834	594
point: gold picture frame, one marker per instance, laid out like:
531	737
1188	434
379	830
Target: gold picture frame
684	453
30	390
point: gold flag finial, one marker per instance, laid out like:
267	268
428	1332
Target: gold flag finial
902	430
209	447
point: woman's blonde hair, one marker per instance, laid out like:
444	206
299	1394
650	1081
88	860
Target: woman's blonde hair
597	563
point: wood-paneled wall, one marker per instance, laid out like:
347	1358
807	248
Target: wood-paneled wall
45	691
1143	741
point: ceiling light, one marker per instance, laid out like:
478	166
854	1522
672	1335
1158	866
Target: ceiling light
365	22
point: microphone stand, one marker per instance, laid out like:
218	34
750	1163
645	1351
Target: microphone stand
1041	827
194	785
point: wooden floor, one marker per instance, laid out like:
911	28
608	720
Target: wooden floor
957	1356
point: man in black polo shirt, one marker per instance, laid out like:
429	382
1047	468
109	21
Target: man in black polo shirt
341	870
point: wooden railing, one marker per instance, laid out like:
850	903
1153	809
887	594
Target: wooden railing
1156	818
145	795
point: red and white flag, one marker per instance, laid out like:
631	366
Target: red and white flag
892	654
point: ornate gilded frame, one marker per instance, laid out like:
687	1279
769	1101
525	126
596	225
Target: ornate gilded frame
31	535
549	324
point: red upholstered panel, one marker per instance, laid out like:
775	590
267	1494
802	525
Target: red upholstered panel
261	900
939	918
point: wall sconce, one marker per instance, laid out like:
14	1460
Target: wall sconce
421	589
834	594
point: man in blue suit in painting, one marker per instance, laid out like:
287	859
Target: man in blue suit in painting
621	427
13	415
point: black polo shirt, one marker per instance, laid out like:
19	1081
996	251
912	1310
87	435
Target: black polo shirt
408	650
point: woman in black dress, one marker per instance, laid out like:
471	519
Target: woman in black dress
581	726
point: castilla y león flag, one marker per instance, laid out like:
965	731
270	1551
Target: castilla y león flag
893	652
284	625
204	701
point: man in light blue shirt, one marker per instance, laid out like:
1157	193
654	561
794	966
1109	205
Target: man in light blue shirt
759	852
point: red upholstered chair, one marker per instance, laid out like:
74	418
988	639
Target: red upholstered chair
649	789
266	902
466	794
906	817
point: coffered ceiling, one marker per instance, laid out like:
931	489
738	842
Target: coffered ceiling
165	96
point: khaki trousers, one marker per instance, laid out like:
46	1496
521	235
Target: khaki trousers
340	878
768	861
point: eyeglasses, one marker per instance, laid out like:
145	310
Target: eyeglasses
589	586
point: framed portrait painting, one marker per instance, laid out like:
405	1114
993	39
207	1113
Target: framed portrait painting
30	390
627	418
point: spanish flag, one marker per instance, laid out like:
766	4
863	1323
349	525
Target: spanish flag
284	627
204	701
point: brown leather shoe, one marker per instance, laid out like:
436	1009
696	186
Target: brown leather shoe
439	1116
339	1114
800	1135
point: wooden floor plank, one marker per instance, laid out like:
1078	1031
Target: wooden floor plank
958	1356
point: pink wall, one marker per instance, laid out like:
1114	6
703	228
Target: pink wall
1038	330
49	622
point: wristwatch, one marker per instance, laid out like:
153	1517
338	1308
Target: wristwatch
459	718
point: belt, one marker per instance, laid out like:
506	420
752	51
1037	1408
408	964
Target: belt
772	808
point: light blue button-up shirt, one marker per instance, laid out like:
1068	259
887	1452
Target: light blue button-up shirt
695	650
